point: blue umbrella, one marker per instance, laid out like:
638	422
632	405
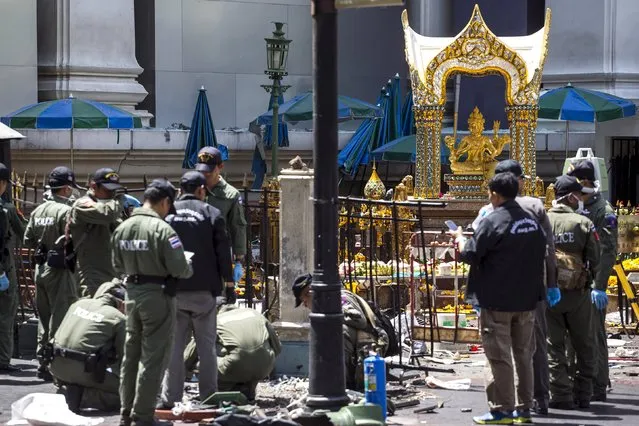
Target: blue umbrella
282	128
202	133
72	113
356	151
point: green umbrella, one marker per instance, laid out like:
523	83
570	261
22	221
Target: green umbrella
300	108
574	104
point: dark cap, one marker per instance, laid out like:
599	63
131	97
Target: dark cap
208	158
299	285
192	179
108	178
114	288
511	166
5	173
582	169
165	187
565	184
62	176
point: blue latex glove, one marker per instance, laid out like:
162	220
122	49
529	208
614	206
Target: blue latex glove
477	308
129	201
4	282
553	296
599	298
238	271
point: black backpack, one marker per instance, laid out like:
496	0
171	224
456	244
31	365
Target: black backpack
384	322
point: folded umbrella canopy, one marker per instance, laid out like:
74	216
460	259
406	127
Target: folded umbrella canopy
574	104
300	108
202	132
71	114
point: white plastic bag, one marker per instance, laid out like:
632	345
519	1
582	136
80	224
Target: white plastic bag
45	409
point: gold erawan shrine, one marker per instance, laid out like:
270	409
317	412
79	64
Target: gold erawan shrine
474	51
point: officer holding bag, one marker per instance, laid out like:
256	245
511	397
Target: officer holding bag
56	287
577	250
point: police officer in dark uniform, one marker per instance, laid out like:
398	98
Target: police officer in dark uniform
202	230
577	252
601	213
228	200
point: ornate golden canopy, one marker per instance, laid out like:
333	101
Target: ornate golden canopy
475	51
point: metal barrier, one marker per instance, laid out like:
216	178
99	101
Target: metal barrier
261	209
389	257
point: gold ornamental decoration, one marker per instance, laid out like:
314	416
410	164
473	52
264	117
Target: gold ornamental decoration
474	51
480	151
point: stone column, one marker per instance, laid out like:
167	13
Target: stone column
87	48
296	236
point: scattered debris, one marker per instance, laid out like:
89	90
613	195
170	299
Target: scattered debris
466	410
459	384
427	409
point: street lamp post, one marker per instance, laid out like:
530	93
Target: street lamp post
327	382
276	57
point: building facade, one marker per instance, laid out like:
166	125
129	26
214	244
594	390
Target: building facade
154	55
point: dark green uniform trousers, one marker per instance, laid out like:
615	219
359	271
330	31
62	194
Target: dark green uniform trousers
150	323
572	315
101	396
56	290
8	309
600	379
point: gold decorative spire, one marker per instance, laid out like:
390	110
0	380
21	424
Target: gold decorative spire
374	188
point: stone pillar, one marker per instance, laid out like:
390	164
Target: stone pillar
86	48
296	237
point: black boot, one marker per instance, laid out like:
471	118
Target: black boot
74	397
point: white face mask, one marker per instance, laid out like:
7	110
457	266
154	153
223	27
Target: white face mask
103	201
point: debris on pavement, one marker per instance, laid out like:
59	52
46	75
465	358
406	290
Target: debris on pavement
466	410
458	384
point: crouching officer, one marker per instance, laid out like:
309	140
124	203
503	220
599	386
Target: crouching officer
577	251
88	348
150	254
247	346
360	330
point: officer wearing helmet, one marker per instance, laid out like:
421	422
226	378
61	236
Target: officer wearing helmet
88	349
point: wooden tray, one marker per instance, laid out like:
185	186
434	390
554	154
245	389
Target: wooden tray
447	334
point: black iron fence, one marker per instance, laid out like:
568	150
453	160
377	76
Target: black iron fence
390	256
262	239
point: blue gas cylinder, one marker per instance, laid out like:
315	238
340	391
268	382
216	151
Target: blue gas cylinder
375	381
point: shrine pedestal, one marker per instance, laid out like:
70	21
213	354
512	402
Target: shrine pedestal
465	187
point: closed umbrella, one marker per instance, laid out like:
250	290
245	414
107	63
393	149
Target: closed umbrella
574	104
202	132
71	114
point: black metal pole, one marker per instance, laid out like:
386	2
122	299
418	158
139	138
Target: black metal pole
327	381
